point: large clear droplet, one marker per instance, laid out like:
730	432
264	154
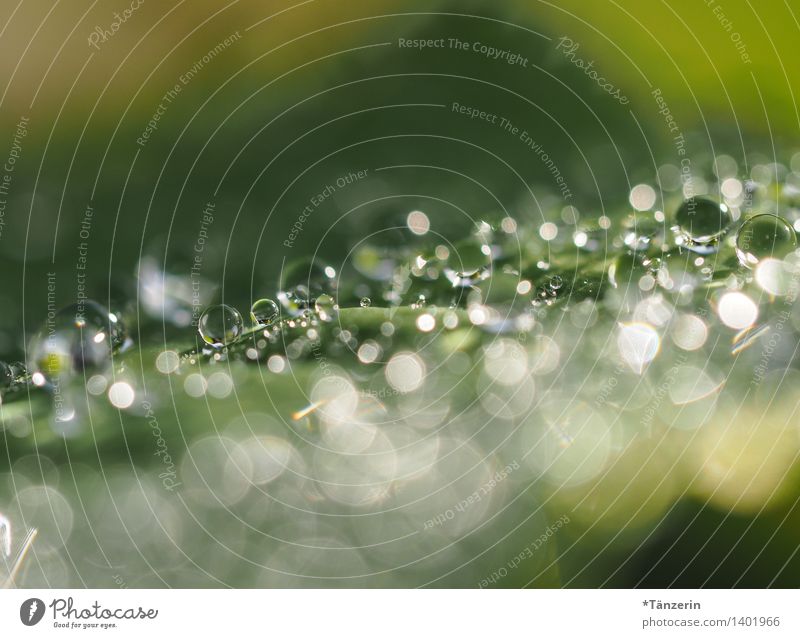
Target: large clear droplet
264	312
764	236
220	325
701	222
80	336
468	262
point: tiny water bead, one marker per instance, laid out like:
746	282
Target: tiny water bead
555	282
264	312
220	325
701	221
764	236
365	302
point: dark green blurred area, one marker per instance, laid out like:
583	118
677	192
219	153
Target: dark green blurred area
322	91
299	101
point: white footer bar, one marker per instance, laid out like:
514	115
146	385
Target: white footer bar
399	613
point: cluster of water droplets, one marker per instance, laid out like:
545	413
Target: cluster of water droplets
561	352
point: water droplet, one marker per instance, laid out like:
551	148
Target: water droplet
365	302
555	282
6	375
80	336
468	263
326	308
640	231
701	222
19	372
302	282
264	312
306	279
221	324
764	236
296	301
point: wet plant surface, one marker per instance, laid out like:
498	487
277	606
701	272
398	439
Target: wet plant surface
411	413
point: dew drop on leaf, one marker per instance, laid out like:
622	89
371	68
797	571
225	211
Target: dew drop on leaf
764	236
220	325
701	222
264	312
